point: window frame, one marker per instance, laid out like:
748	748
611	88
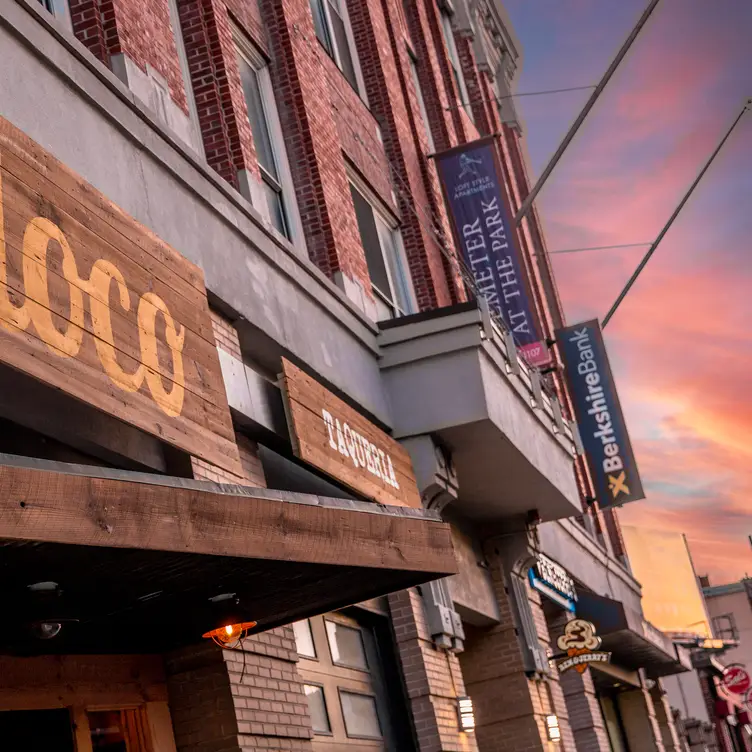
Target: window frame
304	656
354	628
320	686
247	50
185	69
379	721
453	55
389	221
413	64
334	53
59	9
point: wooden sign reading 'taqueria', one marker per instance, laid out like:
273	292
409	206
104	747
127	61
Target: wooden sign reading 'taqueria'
330	435
93	304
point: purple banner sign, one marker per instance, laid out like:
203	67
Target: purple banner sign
483	225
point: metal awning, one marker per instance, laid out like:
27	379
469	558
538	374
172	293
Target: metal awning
633	642
138	556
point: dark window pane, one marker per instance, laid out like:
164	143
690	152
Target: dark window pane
359	712
276	206
320	25
257	117
369	236
343	45
346	645
107	731
317	708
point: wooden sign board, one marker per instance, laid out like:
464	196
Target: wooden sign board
328	434
94	304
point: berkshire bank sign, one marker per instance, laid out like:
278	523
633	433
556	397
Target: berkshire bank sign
599	416
486	234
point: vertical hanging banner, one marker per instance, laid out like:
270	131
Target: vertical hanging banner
475	194
599	416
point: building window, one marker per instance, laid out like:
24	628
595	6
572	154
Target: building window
304	639
59	9
421	101
276	179
119	730
346	645
333	30
454	59
177	32
317	707
385	257
360	716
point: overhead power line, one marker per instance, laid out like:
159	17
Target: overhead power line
500	99
597	248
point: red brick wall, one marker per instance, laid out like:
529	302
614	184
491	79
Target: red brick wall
220	103
139	29
432	677
313	145
236	700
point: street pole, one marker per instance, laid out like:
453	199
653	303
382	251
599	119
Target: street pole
528	202
667	226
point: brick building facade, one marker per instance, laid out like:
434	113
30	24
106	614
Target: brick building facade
284	148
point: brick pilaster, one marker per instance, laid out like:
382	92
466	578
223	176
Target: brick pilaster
433	679
585	715
393	102
665	718
313	146
511	705
243	699
222	114
641	725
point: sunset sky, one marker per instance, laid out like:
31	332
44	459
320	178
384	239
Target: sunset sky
681	344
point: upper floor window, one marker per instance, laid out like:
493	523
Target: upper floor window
333	30
385	256
454	59
421	101
59	9
276	179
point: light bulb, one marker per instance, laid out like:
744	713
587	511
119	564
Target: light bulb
229	629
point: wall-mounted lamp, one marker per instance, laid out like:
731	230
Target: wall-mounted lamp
231	628
553	729
466	714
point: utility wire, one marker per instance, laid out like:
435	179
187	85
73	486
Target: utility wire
500	99
594	248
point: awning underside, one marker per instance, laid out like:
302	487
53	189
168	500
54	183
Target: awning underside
138	560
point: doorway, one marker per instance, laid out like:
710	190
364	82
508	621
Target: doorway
36	731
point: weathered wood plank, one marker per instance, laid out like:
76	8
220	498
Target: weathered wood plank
93	304
349	447
56	507
16	142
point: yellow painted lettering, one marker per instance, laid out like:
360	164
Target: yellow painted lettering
149	306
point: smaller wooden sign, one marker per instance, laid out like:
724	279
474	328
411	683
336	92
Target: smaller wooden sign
328	434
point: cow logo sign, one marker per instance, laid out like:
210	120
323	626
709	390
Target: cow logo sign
581	644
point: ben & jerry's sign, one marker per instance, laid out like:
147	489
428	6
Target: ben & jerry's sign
93	304
599	417
580	643
330	435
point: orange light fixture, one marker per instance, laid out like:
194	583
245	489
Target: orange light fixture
230	634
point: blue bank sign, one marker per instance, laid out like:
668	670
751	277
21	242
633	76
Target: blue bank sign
599	416
482	221
551	579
